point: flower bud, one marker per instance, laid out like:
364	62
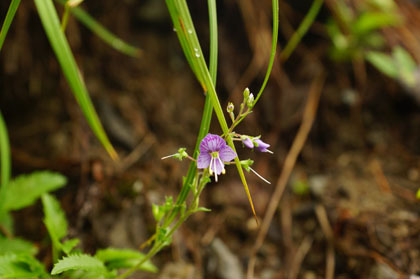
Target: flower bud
246	94
250	101
230	107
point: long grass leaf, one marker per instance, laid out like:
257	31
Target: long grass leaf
102	32
62	50
8	20
5	163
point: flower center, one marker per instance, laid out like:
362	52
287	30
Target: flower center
214	154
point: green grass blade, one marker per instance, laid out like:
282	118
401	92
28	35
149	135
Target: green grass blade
8	20
102	32
208	107
5	163
275	4
213	40
302	29
205	78
50	21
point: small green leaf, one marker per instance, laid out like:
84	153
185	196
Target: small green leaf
21	266
123	258
79	262
418	194
55	218
203	209
24	190
16	245
68	245
383	62
371	21
406	65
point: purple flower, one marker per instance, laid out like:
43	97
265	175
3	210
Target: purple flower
248	142
214	152
261	146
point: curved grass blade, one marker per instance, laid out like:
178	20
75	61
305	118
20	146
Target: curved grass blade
102	32
203	75
50	21
8	20
302	29
4	163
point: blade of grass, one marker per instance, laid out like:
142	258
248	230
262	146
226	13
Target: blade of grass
275	4
302	29
5	163
102	32
8	20
203	74
208	107
50	21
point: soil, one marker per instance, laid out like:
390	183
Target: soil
350	200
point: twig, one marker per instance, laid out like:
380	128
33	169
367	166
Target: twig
321	214
376	169
303	249
289	163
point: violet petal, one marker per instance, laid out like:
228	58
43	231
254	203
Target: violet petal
203	160
218	166
227	154
211	143
261	146
248	142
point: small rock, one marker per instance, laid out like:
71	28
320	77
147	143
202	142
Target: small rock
318	184
225	263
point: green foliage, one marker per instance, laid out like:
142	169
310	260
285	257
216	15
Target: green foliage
21	266
123	258
5	166
357	33
25	189
8	20
6	221
55	219
17	246
102	32
399	65
50	21
79	262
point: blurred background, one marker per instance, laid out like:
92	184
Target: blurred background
350	202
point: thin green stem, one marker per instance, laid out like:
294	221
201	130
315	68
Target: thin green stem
302	29
275	4
100	30
8	20
5	163
65	18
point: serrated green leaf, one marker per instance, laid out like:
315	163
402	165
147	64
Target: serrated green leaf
16	245
79	262
55	218
51	23
383	62
25	189
21	266
124	258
